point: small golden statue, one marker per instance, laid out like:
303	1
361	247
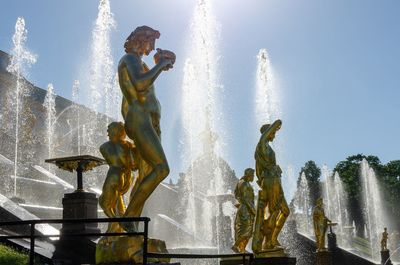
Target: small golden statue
141	111
385	237
244	221
320	225
271	196
118	154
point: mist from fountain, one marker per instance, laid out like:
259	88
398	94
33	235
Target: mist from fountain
335	200
302	207
101	71
201	99
374	213
267	107
49	105
21	59
77	114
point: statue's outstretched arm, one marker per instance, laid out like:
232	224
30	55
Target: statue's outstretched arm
272	129
143	80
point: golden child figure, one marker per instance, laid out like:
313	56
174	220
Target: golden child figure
118	154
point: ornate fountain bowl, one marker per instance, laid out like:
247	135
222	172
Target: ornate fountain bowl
80	164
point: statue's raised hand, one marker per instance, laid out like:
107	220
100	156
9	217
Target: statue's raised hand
165	57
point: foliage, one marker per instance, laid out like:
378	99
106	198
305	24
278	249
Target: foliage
10	256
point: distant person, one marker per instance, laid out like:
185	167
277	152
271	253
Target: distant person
118	154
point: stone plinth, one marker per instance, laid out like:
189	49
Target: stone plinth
79	205
274	261
385	257
324	258
332	244
123	249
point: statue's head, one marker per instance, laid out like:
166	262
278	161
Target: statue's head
249	174
141	40
116	131
271	129
320	202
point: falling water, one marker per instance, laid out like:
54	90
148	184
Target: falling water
75	100
266	97
101	67
373	213
302	204
202	119
20	59
50	106
335	200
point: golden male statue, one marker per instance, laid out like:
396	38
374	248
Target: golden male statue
141	111
320	224
271	197
118	154
244	220
384	240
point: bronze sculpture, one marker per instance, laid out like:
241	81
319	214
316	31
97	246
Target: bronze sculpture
385	237
246	212
271	196
320	225
141	111
118	154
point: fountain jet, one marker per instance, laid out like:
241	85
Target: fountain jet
21	58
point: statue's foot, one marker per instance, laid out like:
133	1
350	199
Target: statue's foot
235	249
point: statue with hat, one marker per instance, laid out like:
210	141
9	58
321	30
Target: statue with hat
270	198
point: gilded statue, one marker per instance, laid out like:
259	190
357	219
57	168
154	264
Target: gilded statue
385	237
320	224
118	154
271	196
141	112
246	212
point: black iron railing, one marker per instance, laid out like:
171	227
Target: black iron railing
32	236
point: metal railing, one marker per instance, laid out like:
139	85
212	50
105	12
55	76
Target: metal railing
32	236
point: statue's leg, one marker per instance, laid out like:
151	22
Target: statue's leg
269	228
151	151
280	221
108	198
258	235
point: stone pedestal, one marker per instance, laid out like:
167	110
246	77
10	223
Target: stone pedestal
324	258
385	257
332	244
77	250
274	261
76	205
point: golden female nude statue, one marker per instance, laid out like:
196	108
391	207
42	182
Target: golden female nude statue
271	197
246	212
141	111
118	154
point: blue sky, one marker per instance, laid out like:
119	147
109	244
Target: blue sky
337	63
